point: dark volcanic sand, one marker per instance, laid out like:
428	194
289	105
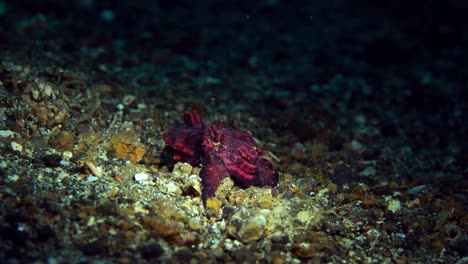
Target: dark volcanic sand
359	106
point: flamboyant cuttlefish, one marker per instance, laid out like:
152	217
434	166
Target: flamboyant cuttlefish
223	152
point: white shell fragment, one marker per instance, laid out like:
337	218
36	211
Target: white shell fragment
141	177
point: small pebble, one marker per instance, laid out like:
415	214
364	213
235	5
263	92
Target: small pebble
173	189
303	216
400	235
141	177
92	178
247	226
64	163
213	205
357	146
16	146
8	134
368	172
3	164
394	205
182	169
13	178
418	189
